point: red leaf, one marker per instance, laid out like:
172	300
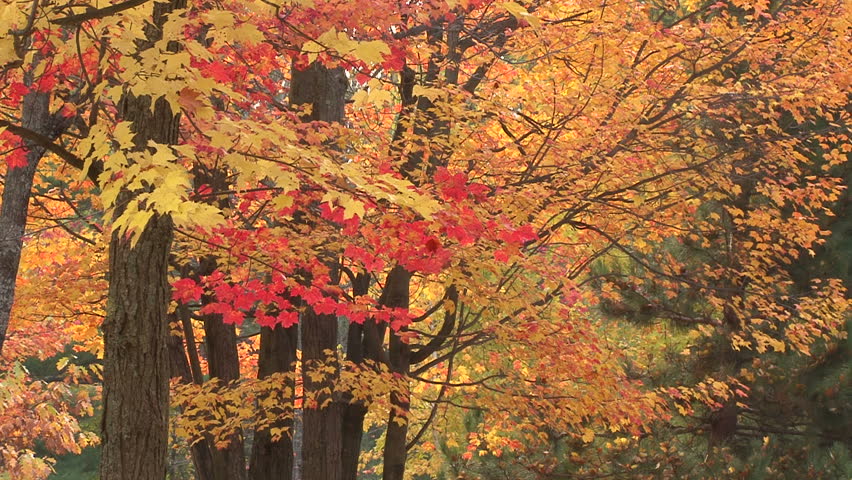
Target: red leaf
432	245
17	158
187	290
287	319
16	91
233	317
217	71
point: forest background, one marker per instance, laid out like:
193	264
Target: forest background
475	239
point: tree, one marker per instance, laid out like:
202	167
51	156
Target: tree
413	196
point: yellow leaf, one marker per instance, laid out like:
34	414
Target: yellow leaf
192	214
281	202
450	306
220	19
248	34
777	345
521	13
311	49
133	222
351	206
374	94
123	134
372	51
429	92
7	50
62	363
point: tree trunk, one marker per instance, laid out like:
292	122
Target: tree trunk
181	369
426	153
224	364
136	327
353	431
324	90
16	200
273	460
136	366
396	295
354	413
322	412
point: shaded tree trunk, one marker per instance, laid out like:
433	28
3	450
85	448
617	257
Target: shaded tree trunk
354	413
273	459
322	411
182	369
723	422
353	431
324	90
396	295
224	364
423	117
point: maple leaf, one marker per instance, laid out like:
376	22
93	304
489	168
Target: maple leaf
187	290
17	158
632	155
192	102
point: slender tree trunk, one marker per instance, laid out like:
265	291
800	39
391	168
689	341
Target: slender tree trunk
224	364
191	349
228	462
354	413
353	431
724	421
420	164
181	369
16	199
396	295
271	459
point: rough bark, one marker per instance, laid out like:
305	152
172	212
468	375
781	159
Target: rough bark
424	118
270	459
324	90
353	431
16	198
322	448
136	328
136	366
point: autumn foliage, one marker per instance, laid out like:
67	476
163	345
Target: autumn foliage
444	239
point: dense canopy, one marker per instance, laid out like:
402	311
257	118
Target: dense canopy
339	240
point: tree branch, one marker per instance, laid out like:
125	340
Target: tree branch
438	341
95	13
95	169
